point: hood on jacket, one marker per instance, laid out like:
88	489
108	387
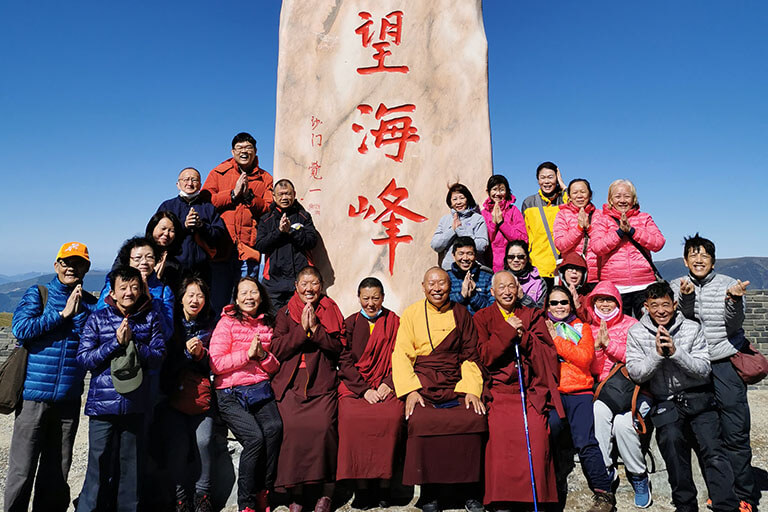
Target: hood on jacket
573	259
606	288
505	204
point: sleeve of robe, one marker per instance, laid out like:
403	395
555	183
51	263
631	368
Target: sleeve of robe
403	357
347	369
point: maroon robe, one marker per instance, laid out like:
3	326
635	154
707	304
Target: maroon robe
307	400
368	433
445	445
507	473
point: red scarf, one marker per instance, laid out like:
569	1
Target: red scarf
376	360
328	313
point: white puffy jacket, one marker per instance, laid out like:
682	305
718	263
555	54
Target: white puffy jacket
720	317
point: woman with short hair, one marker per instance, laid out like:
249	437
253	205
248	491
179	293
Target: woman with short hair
623	239
502	218
463	220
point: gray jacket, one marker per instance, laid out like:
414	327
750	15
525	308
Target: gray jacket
719	317
687	368
472	225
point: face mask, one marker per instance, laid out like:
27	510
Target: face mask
184	195
610	316
371	318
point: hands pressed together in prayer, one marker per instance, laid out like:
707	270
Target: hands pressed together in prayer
256	351
603	338
468	286
665	345
309	320
124	333
72	307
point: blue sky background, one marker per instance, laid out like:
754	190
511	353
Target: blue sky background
101	104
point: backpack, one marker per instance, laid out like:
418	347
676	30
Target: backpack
14	370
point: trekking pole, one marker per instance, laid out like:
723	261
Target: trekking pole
525	422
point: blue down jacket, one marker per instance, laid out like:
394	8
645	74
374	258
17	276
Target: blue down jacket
53	374
98	346
161	294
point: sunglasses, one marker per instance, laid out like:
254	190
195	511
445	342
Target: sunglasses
516	256
563	302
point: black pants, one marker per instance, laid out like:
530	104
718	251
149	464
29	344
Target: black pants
632	303
731	398
702	432
259	431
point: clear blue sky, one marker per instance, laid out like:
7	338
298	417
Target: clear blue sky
102	103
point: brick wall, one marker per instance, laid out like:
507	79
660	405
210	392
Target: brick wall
755	326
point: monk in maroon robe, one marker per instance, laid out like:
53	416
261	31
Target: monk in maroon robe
370	415
500	327
307	341
434	366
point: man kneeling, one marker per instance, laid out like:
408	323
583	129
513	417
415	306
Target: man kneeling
434	366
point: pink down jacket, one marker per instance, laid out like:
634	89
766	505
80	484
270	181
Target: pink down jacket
569	237
617	331
621	263
511	228
229	351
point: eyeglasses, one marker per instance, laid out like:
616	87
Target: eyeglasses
563	302
147	257
248	147
516	256
72	263
189	180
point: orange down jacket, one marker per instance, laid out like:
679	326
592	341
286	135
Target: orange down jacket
241	218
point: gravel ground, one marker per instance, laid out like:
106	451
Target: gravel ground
578	497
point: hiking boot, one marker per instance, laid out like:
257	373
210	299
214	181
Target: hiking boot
473	505
203	502
745	507
603	502
642	487
431	506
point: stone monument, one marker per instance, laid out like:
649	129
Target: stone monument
380	106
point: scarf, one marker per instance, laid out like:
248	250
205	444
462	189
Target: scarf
570	318
376	360
189	197
328	313
568	332
607	317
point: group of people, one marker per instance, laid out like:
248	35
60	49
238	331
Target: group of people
514	357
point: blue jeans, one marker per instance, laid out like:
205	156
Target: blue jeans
115	443
189	451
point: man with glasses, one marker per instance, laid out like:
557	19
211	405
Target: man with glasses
48	322
203	228
241	193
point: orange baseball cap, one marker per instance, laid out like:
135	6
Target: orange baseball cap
73	249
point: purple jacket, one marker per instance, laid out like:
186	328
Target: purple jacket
512	227
98	345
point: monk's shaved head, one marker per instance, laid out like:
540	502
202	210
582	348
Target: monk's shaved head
437	286
434	269
503	273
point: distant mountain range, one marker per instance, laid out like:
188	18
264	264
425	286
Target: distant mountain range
11	292
752	269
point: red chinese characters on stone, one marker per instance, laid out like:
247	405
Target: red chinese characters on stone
391	197
395	130
391	32
314	170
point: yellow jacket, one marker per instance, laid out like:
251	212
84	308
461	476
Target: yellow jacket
538	243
